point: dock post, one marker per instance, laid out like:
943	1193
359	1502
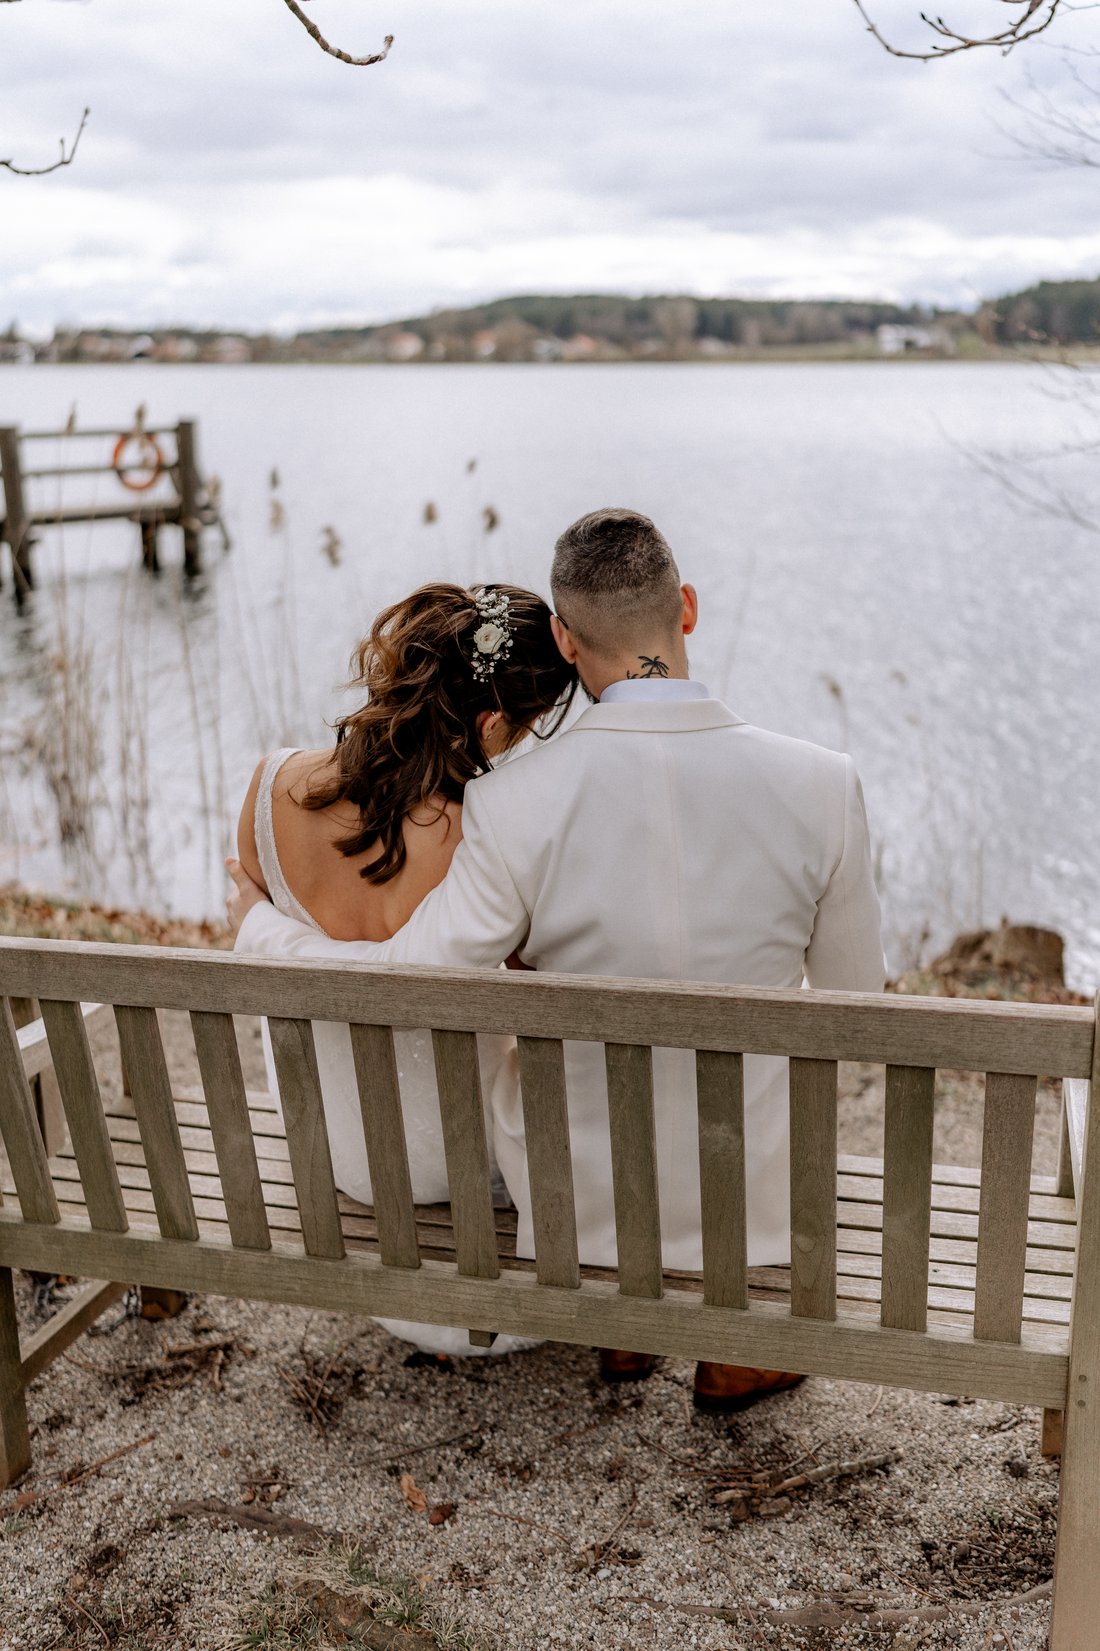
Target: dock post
190	520
150	556
17	529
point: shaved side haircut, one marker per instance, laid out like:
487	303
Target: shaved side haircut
615	582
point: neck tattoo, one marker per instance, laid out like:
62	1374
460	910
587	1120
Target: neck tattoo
651	666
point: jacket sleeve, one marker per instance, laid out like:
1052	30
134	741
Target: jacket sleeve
845	950
474	919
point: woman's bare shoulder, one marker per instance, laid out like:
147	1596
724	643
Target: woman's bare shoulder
301	772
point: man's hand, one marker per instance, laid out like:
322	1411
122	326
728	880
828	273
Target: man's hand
245	895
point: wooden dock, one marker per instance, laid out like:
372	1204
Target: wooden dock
138	461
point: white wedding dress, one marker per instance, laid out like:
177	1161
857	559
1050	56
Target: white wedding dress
419	1094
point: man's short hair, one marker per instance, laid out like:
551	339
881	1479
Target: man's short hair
615	581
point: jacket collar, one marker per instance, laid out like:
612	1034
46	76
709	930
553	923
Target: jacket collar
657	716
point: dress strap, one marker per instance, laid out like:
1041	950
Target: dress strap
282	897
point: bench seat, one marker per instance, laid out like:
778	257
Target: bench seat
1048	1282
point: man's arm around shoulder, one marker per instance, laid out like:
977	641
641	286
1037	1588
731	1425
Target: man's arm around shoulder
474	919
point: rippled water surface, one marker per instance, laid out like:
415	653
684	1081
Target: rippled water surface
864	583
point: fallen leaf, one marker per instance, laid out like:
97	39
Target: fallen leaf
440	1513
413	1495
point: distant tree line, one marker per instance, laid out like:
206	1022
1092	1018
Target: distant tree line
673	322
1052	312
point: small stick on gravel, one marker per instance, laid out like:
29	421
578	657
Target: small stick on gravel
67	1481
746	1490
76	1606
253	1518
839	1616
420	1450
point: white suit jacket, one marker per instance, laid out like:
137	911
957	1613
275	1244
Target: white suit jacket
664	839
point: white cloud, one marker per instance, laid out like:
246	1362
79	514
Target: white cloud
231	172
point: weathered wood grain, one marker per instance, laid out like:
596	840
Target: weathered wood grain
384	1134
19	1129
1007	1140
679	1324
813	1188
143	1053
307	1135
546	1129
468	1175
907	1196
634	1168
1076	1572
15	1439
901	1031
39	1350
67	1031
223	1084
720	1086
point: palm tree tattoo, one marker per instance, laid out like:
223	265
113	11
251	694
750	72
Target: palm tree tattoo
650	667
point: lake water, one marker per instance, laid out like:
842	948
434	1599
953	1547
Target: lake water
864	583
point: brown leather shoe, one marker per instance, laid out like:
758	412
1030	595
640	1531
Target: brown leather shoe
736	1386
619	1366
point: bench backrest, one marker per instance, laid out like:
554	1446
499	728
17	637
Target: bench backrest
1013	1044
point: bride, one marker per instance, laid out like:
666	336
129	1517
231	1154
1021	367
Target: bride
351	838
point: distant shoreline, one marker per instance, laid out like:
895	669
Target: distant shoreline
777	357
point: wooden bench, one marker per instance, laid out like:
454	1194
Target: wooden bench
930	1277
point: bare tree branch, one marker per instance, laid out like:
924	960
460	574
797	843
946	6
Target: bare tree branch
1050	131
1034	17
334	51
66	157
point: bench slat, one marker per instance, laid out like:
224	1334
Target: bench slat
145	1067
307	1136
19	1126
384	1134
720	1087
634	1168
813	1188
850	1026
856	1348
468	1176
227	1108
546	1130
907	1196
67	1031
1007	1140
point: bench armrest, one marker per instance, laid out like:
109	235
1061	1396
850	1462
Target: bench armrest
1075	1105
34	1048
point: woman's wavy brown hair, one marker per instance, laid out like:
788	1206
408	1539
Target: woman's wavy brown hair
416	742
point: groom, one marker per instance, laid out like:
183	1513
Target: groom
662	837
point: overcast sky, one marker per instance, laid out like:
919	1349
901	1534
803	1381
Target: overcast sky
231	173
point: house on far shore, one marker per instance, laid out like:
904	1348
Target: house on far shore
228	350
892	338
404	346
16	352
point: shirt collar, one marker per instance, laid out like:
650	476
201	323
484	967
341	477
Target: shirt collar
652	687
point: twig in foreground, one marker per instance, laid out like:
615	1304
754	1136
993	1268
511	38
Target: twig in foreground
334	51
66	157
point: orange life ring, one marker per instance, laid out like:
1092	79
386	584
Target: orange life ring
150	462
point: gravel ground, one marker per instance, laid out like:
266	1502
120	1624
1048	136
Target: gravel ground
567	1513
582	1515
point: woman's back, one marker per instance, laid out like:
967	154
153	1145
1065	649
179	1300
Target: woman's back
293	852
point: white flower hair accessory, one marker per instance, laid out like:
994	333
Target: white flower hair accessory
493	637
